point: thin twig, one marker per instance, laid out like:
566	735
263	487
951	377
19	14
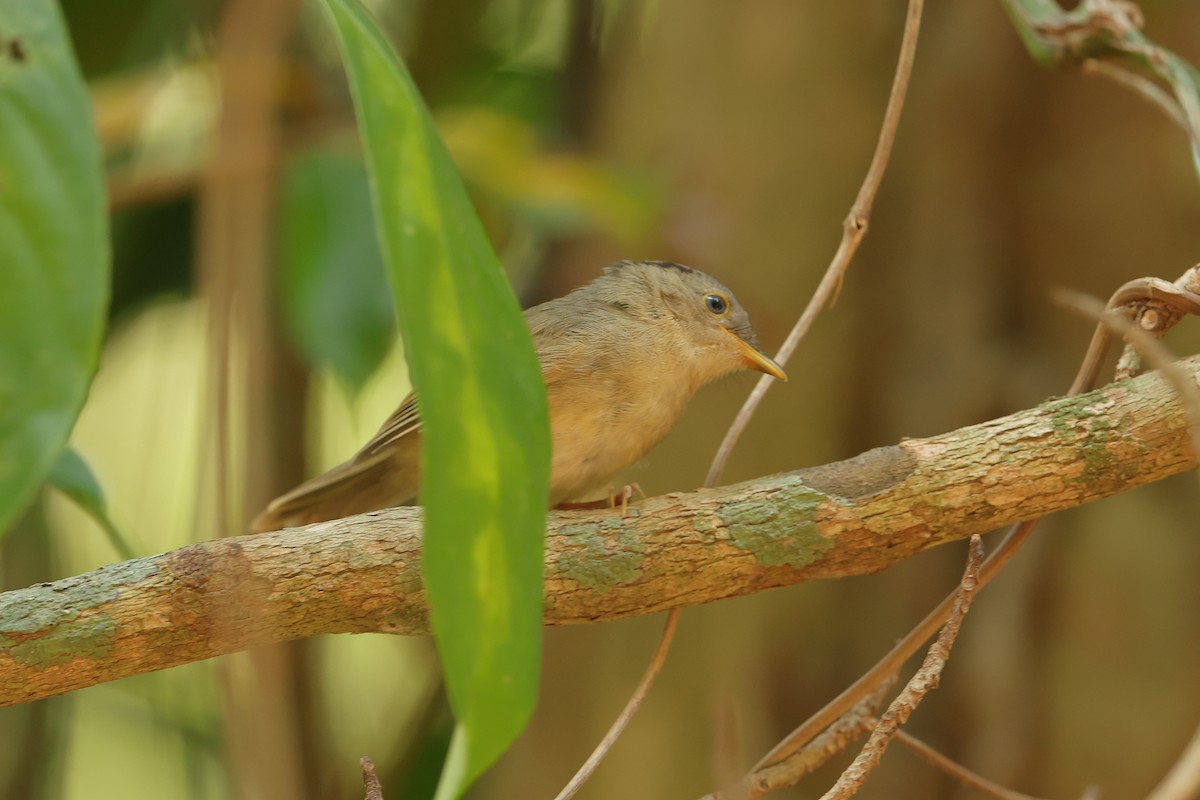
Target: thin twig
853	230
725	754
374	791
1182	782
924	681
631	707
1176	299
1150	348
958	772
837	737
901	652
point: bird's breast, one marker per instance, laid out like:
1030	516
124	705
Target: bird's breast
603	422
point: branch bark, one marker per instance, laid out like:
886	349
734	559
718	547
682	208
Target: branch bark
362	574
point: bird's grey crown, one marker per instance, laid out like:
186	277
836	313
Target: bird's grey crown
663	264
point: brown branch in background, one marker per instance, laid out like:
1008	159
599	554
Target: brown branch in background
127	190
371	786
252	395
726	769
958	772
853	230
924	681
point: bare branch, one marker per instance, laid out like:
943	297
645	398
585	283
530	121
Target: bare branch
1150	348
854	723
1166	301
924	681
886	667
362	574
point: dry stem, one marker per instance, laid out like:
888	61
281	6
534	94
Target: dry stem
371	787
631	707
853	230
924	681
957	771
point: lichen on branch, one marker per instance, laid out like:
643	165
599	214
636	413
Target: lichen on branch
361	574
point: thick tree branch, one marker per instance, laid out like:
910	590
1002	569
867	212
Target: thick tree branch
362	574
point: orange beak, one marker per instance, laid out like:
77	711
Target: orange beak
755	358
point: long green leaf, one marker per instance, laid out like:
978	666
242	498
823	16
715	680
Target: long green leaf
485	435
54	251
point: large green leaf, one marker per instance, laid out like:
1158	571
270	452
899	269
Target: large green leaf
486	440
54	251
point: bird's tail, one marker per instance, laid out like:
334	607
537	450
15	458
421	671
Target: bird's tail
353	487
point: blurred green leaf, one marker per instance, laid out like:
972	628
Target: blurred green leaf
73	477
1024	14
334	291
500	155
54	251
486	450
610	14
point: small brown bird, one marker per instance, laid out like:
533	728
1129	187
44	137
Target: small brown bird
621	357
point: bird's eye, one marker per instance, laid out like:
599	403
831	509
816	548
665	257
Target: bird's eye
717	304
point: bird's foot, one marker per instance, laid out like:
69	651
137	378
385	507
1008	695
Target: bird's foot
624	496
616	498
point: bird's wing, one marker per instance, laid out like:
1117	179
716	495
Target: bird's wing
403	421
360	483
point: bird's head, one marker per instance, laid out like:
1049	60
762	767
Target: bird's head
701	314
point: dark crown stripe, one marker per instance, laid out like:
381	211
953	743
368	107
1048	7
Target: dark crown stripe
662	264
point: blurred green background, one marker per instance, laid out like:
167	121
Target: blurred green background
251	345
